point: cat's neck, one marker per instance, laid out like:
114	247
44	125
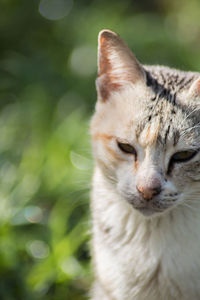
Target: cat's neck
154	249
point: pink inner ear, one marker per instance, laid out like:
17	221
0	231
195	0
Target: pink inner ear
106	81
104	63
195	88
105	86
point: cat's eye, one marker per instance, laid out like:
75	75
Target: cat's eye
127	148
183	156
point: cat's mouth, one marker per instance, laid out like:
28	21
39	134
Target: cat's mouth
157	205
150	208
149	211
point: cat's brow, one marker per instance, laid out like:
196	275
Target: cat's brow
103	136
150	133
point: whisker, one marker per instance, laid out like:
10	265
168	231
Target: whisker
195	109
189	206
191	128
194	201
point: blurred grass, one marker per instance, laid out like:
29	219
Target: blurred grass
47	95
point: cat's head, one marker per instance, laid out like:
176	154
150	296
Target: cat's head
146	129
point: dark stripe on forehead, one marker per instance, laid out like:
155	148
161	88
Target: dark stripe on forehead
176	136
166	133
161	92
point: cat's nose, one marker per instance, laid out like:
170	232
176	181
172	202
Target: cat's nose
149	188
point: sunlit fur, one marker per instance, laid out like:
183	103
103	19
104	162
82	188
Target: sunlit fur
146	251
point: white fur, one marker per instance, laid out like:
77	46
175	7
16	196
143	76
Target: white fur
154	259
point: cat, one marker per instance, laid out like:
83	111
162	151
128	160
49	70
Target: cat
146	185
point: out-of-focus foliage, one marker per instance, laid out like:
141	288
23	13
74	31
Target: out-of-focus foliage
47	93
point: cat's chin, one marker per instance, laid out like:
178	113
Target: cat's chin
149	212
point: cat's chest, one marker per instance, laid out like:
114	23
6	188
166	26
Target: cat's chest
148	271
148	260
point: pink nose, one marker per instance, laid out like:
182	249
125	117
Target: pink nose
149	189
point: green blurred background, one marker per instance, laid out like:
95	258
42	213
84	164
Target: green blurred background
47	96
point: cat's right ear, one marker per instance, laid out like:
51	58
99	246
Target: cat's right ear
117	66
194	90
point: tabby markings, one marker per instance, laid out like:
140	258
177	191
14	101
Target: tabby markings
150	134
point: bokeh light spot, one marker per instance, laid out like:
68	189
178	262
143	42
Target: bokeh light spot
38	249
79	161
33	214
55	9
83	60
71	267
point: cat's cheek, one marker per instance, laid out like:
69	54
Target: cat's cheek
181	178
126	184
107	162
106	165
193	171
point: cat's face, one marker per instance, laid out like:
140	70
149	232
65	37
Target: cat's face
145	130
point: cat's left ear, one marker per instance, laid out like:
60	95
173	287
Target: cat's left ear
117	65
194	90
